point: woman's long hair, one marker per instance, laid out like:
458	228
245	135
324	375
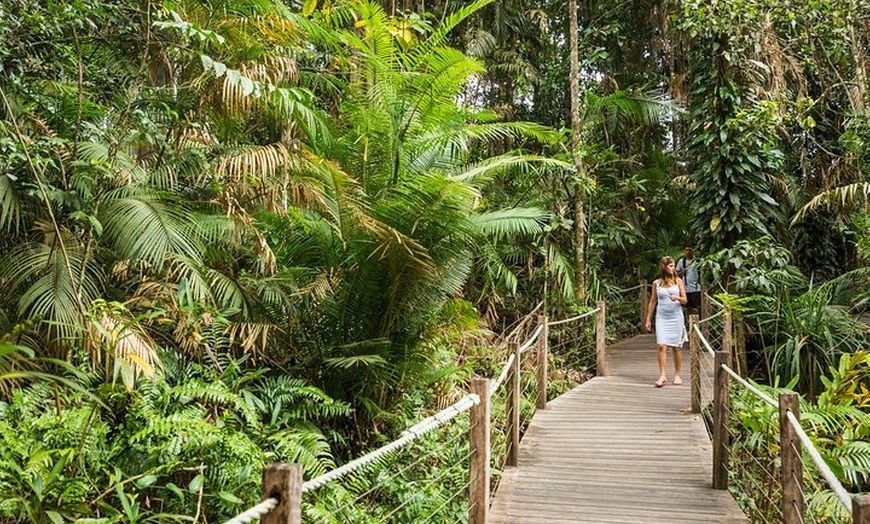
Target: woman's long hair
667	278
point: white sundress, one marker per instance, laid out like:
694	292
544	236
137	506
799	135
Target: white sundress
670	325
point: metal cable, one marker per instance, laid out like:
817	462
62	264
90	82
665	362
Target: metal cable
572	319
448	501
408	436
752	486
420	493
830	478
426	456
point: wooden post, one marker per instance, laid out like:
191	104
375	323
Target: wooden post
704	313
513	408
543	357
727	332
644	302
861	509
284	483
792	469
720	422
478	489
740	344
695	363
600	342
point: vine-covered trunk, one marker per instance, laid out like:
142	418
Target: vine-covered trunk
579	213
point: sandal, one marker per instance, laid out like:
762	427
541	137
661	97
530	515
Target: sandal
660	383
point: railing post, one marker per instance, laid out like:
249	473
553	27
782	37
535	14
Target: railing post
727	334
644	302
600	341
705	312
513	408
720	421
284	483
695	363
478	488
861	509
792	467
740	344
543	357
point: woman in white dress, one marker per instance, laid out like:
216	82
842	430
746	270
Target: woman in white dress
667	297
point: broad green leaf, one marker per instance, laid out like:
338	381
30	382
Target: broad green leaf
197	482
146	481
229	497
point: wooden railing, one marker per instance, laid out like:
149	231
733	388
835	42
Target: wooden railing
282	486
711	361
715	342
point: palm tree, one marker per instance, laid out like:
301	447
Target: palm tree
148	210
419	219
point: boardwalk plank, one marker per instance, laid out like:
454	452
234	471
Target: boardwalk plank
616	450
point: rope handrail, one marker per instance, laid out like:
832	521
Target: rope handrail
843	496
711	317
703	339
572	319
504	371
519	324
510	361
528	343
421	428
713	300
757	392
832	480
409	435
255	512
626	290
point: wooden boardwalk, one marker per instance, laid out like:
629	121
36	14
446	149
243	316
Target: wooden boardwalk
616	450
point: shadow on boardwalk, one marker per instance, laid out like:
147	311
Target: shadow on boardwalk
616	450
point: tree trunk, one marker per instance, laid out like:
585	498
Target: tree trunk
579	212
858	91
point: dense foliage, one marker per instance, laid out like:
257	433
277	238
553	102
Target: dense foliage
239	231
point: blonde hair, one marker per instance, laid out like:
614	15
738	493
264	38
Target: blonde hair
667	278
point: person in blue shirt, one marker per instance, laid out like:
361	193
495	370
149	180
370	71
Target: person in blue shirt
688	272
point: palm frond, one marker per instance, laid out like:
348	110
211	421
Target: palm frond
507	223
116	333
422	52
509	163
263	162
447	147
127	171
40	274
622	108
146	227
10	204
191	277
497	276
562	269
838	197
